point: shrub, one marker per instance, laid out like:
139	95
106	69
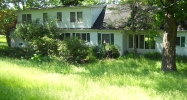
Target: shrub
115	51
41	38
153	55
181	58
16	52
74	49
45	46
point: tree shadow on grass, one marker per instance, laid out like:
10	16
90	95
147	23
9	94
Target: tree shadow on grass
121	67
141	72
15	91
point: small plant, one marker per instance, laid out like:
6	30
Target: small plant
153	55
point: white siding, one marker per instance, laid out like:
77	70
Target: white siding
65	23
95	13
179	50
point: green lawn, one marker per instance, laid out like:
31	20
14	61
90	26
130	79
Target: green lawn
3	40
123	79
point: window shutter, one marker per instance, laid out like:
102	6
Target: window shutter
99	38
73	35
182	41
112	38
88	37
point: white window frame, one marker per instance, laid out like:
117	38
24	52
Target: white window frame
59	16
81	36
47	17
75	17
140	46
179	41
26	18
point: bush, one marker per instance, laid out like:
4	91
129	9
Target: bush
181	58
74	49
109	51
16	52
153	55
115	51
41	38
45	46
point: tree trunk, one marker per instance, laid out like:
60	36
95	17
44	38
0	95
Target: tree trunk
169	44
8	38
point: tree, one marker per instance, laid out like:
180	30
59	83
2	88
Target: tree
169	13
7	22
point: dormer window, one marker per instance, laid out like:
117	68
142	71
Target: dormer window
45	17
72	17
26	18
59	16
76	17
79	16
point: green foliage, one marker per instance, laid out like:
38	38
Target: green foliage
19	53
41	38
108	51
45	46
74	49
125	78
115	51
153	55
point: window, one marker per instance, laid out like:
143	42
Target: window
146	42
64	35
142	42
79	16
72	17
108	38
59	16
76	17
177	41
130	41
183	41
26	18
45	17
180	41
83	36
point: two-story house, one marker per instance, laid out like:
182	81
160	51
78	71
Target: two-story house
92	24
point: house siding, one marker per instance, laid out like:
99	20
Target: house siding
179	50
95	13
89	16
158	44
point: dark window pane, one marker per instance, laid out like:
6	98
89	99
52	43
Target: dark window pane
84	36
72	17
146	39
178	41
130	41
79	16
142	41
59	16
45	17
182	41
106	38
24	17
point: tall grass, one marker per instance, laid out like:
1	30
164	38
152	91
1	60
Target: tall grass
3	40
121	79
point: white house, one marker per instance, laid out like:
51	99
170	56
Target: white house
92	24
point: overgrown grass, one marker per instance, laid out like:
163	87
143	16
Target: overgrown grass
126	78
3	40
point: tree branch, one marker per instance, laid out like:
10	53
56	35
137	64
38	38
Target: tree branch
162	3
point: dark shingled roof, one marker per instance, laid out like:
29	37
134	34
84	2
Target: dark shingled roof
111	19
114	19
99	22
